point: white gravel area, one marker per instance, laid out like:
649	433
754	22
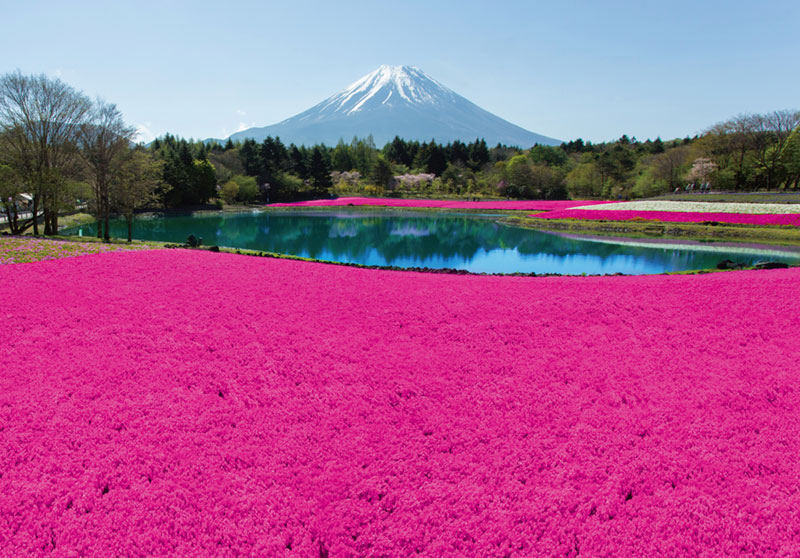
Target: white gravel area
698	207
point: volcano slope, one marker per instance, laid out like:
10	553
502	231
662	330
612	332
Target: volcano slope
184	403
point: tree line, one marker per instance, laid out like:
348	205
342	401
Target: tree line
59	149
748	153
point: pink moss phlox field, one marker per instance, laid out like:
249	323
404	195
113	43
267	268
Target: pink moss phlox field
792	219
23	249
523	205
195	404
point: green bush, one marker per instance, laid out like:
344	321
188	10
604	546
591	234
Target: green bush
248	188
229	192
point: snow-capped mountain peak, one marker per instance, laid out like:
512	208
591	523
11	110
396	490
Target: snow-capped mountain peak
394	101
388	85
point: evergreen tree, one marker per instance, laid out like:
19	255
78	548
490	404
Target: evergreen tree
382	173
319	171
202	152
458	153
657	146
342	158
413	148
478	154
270	160
191	181
574	146
364	155
297	161
437	160
184	153
398	152
281	160
176	175
251	158
422	157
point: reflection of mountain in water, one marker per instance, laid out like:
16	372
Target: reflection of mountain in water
410	240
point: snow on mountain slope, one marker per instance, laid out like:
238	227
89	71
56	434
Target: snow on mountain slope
392	85
396	101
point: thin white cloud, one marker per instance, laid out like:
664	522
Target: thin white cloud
144	133
240	112
241	127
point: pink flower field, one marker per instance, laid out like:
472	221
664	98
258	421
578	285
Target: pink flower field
196	404
523	205
792	219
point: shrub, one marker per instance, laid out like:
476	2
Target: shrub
229	192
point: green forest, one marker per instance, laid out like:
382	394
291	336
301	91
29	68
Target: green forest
61	151
747	153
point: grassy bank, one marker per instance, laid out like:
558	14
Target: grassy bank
789	236
30	249
27	249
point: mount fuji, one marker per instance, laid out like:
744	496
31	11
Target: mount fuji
396	101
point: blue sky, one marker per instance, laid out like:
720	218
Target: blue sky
594	70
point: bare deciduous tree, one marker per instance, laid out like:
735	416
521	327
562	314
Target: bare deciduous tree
10	192
753	147
105	142
668	166
771	134
42	118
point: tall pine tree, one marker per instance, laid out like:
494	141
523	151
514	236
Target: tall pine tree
319	171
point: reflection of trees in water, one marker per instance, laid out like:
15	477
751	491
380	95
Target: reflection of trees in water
393	238
440	238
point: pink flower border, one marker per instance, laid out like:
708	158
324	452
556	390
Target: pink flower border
522	205
792	219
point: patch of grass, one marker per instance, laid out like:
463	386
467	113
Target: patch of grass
64	222
27	249
75	220
113	241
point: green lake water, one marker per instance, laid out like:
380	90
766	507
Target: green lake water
474	243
